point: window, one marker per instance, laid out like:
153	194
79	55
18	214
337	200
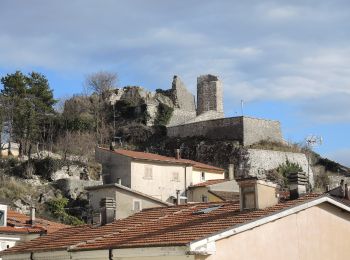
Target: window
204	198
148	175
203	176
137	207
2	218
176	177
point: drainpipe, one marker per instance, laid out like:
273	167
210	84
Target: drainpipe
185	181
110	254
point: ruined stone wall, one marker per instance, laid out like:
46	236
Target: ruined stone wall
209	94
245	130
181	116
263	160
182	98
256	130
225	128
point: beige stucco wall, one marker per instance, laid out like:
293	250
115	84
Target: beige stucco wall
195	195
197	176
162	185
124	201
320	232
266	196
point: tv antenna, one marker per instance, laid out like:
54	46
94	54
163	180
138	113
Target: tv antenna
312	141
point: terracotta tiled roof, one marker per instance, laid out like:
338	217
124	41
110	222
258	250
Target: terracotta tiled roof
19	223
208	183
164	226
226	195
161	158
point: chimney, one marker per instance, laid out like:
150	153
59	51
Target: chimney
297	184
256	194
177	154
32	216
346	191
108	210
231	171
177	197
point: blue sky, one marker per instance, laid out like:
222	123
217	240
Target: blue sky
288	60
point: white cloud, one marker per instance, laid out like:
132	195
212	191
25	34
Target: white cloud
281	13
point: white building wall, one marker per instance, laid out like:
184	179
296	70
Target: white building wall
162	185
197	176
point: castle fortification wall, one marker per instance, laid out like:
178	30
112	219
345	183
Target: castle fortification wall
225	128
256	130
264	160
245	130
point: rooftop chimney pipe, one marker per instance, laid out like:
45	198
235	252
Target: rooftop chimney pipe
177	154
231	171
177	197
32	216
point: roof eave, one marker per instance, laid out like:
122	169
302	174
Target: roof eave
201	245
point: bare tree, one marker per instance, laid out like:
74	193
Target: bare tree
100	84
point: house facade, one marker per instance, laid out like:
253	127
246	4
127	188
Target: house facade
161	177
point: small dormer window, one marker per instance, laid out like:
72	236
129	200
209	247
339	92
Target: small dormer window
203	176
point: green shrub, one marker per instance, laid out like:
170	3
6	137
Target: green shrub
56	207
164	114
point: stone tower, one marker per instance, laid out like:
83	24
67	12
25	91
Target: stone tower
209	94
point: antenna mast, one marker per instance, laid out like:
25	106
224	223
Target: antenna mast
311	141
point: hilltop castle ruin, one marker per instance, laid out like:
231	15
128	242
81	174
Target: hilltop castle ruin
206	118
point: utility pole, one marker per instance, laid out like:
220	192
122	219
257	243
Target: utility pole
242	107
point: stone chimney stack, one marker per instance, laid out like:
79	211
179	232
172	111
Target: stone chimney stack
32	216
231	171
108	210
256	194
297	184
177	154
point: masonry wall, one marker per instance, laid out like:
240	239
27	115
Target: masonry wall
256	130
225	128
243	129
209	94
264	160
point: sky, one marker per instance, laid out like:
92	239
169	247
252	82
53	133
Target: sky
288	60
